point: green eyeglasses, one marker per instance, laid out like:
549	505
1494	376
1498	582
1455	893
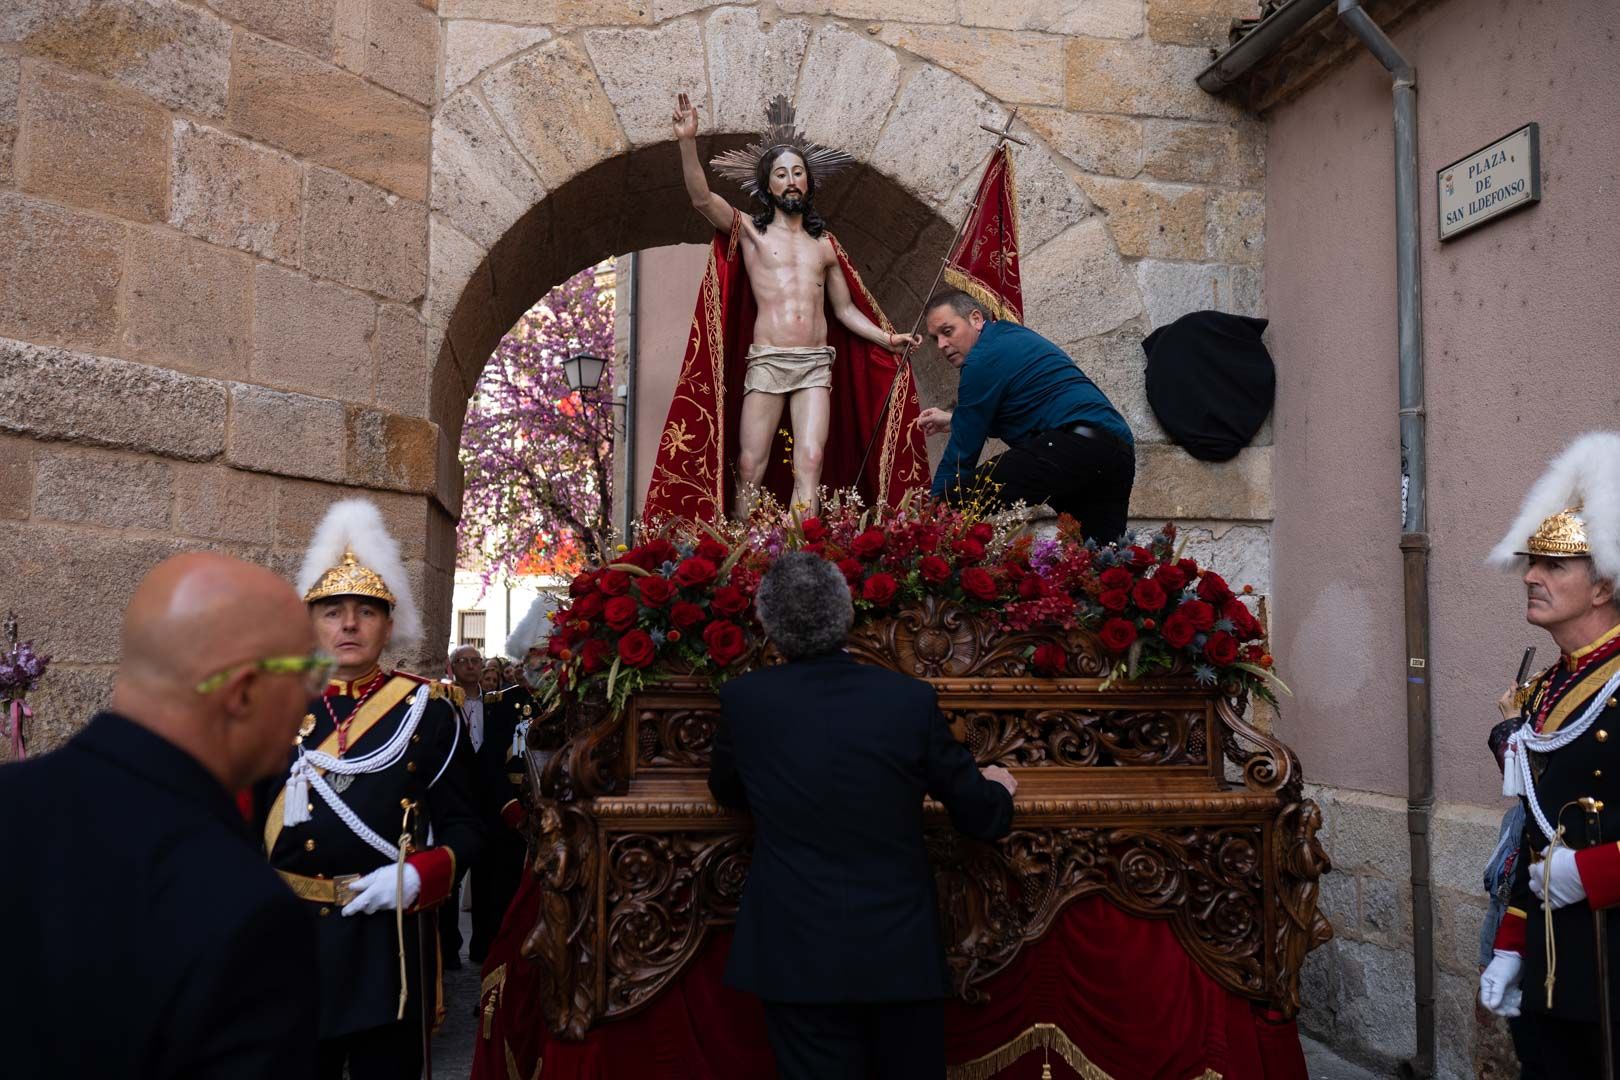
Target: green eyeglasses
315	668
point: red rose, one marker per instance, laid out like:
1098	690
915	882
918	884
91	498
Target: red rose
982	532
880	589
934	570
978	583
583	585
927	540
868	543
1140	557
557	646
613	583
1114	599
658	552
1116	635
1244	624
588	607
1178	631
636	649
712	550
694	573
1188	568
1013	572
620	613
1050	659
593	655
1029	588
686	615
814	531
1221	648
1213	588
1170	579
1116	577
655	591
728	601
1148	595
968	550
725	642
851	569
1200	614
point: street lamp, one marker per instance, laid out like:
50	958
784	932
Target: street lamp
584	371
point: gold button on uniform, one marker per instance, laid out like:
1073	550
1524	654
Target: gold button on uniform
325	911
1597	774
410	766
1603	736
309	845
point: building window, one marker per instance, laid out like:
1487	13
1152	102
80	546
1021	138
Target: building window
471	629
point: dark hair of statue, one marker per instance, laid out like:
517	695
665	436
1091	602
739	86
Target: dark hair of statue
958	301
803	603
814	224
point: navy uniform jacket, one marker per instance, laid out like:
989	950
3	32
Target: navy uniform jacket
1588	766
358	969
144	936
833	757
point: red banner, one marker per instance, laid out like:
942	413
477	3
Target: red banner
984	263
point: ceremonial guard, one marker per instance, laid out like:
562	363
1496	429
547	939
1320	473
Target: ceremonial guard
1555	957
503	770
376	809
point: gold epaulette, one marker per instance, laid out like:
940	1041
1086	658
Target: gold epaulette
450	692
494	696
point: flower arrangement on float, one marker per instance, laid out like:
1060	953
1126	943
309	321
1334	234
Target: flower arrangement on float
681	601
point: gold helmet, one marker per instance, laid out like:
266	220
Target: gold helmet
1573	510
352	554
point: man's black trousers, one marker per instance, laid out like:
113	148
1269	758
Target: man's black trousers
1551	1048
1088	477
877	1041
390	1052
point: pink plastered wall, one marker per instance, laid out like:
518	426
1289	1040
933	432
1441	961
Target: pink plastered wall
1521	333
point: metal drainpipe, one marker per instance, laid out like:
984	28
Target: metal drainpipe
1414	522
631	357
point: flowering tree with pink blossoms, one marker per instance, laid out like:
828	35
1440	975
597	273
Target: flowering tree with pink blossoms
538	456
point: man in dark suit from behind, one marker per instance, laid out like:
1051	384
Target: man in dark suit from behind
146	937
839	932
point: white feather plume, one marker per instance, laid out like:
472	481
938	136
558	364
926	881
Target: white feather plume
533	629
356	525
1586	474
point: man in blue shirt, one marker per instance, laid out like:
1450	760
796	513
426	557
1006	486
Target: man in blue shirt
1068	446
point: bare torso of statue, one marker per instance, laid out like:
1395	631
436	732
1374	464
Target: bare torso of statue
796	279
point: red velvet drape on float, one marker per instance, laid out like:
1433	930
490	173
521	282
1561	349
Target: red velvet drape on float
1103	994
984	262
693	474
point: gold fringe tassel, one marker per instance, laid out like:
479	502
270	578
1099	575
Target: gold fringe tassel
959	279
1037	1037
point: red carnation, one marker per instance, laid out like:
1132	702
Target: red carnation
982	532
636	649
968	550
593	655
1029	588
613	582
978	583
1114	599
1116	577
588	607
712	550
934	570
728	601
851	569
686	614
1116	635
1213	588
1170	579
1200	614
1178	631
582	585
1221	648
1050	659
694	573
880	589
814	531
725	642
868	543
1148	595
655	591
620	613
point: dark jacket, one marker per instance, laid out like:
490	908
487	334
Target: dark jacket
833	758
144	936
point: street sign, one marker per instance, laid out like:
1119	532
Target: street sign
1488	183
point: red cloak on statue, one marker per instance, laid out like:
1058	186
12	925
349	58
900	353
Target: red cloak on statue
693	474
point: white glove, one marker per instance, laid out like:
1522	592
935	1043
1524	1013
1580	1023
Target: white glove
377	891
1564	885
1499	984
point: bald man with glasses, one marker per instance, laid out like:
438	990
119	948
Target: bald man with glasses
144	934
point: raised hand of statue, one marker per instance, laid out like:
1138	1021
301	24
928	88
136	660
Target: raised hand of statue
686	118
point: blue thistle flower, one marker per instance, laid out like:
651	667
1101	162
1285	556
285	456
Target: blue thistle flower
1204	675
1224	624
658	637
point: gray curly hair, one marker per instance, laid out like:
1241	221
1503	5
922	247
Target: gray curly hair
803	603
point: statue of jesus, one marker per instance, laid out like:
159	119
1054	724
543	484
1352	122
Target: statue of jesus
795	274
